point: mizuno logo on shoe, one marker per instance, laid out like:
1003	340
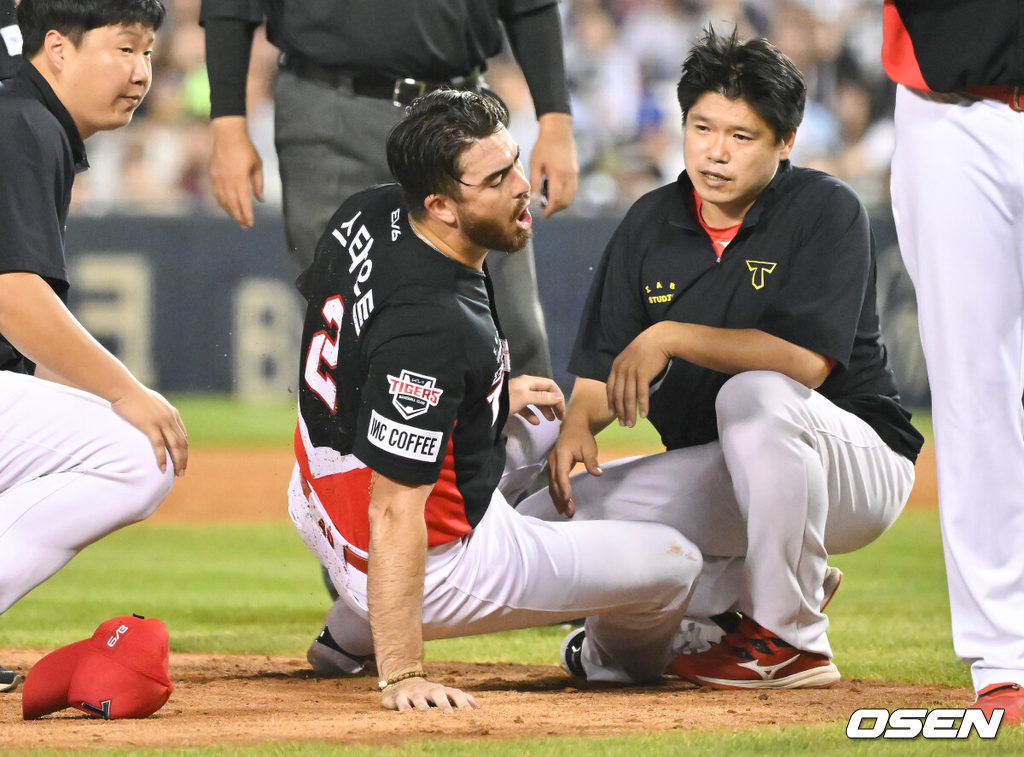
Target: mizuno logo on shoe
767	672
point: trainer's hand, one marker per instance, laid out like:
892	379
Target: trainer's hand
542	393
575	445
149	412
421	694
236	170
554	156
633	371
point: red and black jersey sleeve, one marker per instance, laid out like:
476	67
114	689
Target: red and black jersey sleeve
415	383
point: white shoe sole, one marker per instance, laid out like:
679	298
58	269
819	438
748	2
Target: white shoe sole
815	678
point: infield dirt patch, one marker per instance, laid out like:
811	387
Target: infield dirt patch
243	700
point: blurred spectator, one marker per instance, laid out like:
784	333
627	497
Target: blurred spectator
623	59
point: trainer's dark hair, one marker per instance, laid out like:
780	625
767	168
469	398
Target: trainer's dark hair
754	71
425	147
73	18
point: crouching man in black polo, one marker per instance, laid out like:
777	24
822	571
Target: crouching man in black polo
736	310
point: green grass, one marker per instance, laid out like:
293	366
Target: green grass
812	741
242	588
219	421
256	589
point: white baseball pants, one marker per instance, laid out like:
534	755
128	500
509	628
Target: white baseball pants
958	200
630	580
792	480
71	472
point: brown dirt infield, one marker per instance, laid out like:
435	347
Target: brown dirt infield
245	700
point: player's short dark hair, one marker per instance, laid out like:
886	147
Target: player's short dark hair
424	148
73	18
754	71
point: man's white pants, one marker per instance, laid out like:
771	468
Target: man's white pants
792	480
630	580
71	472
958	201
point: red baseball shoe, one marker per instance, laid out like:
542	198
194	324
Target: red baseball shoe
1002	696
754	658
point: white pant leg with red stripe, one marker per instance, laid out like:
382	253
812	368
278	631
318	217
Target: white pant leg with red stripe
958	201
71	472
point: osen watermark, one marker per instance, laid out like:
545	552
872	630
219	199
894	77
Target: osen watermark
907	723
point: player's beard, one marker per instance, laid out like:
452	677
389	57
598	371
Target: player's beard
495	234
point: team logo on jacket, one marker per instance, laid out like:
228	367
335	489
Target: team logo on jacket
414	394
759	268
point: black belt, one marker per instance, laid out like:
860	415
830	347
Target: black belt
401	92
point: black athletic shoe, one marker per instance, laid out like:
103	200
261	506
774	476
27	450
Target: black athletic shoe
9	680
328	583
328	660
572	652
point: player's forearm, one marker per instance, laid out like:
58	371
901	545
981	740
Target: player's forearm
397	564
588	407
734	351
41	328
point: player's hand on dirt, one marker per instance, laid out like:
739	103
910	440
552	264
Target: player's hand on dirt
575	445
149	412
633	371
421	694
236	169
542	393
554	157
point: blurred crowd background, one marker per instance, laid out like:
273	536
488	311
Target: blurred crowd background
623	59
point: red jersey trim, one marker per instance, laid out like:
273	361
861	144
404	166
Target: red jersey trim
898	55
345	498
720	238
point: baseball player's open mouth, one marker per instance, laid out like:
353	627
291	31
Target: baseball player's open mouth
714	179
524	220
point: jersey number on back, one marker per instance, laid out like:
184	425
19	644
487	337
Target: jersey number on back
323	349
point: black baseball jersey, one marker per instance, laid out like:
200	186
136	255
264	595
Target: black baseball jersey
947	47
402	372
40	152
801	267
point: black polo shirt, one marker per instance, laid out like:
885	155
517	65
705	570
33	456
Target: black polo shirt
801	267
402	372
40	152
426	39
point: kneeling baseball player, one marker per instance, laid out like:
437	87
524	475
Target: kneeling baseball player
735	308
403	479
86	452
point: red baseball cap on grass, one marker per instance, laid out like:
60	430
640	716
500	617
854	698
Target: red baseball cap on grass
121	672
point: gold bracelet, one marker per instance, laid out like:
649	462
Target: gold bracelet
404	677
